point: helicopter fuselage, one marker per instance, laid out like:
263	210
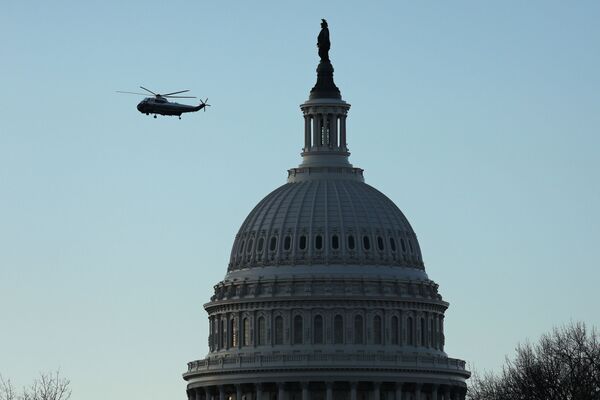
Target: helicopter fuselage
160	105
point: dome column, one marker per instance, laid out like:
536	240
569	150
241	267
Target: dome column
399	391
316	140
305	393
418	391
307	133
221	392
353	391
376	390
329	391
434	392
258	389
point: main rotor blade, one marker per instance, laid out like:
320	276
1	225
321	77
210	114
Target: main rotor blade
181	91
141	94
178	97
148	90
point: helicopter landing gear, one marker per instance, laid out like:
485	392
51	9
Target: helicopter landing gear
154	115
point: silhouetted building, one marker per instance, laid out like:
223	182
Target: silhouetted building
326	294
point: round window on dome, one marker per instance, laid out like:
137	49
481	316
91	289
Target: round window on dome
261	244
302	242
366	243
287	242
335	242
273	243
351	243
319	242
380	243
393	244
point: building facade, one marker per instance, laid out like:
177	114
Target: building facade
326	295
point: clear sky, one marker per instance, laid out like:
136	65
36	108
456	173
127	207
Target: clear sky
479	119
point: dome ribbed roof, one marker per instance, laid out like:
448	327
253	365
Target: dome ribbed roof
325	221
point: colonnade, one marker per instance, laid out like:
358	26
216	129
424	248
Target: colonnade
352	390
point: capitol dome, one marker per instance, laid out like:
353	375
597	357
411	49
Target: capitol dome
323	222
326	295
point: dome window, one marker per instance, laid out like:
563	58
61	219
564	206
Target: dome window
241	249
287	243
302	242
351	243
393	244
261	244
273	243
395	330
366	243
377	334
298	330
358	330
335	242
410	338
380	243
318	329
261	332
278	330
403	245
319	242
410	245
338	330
249	248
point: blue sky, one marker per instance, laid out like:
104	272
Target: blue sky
479	119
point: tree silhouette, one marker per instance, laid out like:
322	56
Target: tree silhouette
563	365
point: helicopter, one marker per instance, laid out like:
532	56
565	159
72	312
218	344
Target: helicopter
160	105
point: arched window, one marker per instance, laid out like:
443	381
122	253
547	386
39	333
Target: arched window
319	242
241	249
403	245
423	332
393	244
395	330
359	336
279	330
377	339
431	334
366	243
233	337
351	243
302	242
287	243
249	248
222	340
246	332
213	334
298	330
261	332
318	329
335	242
261	244
409	331
380	243
338	330
273	243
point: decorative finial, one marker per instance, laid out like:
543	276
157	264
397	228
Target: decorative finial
323	42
